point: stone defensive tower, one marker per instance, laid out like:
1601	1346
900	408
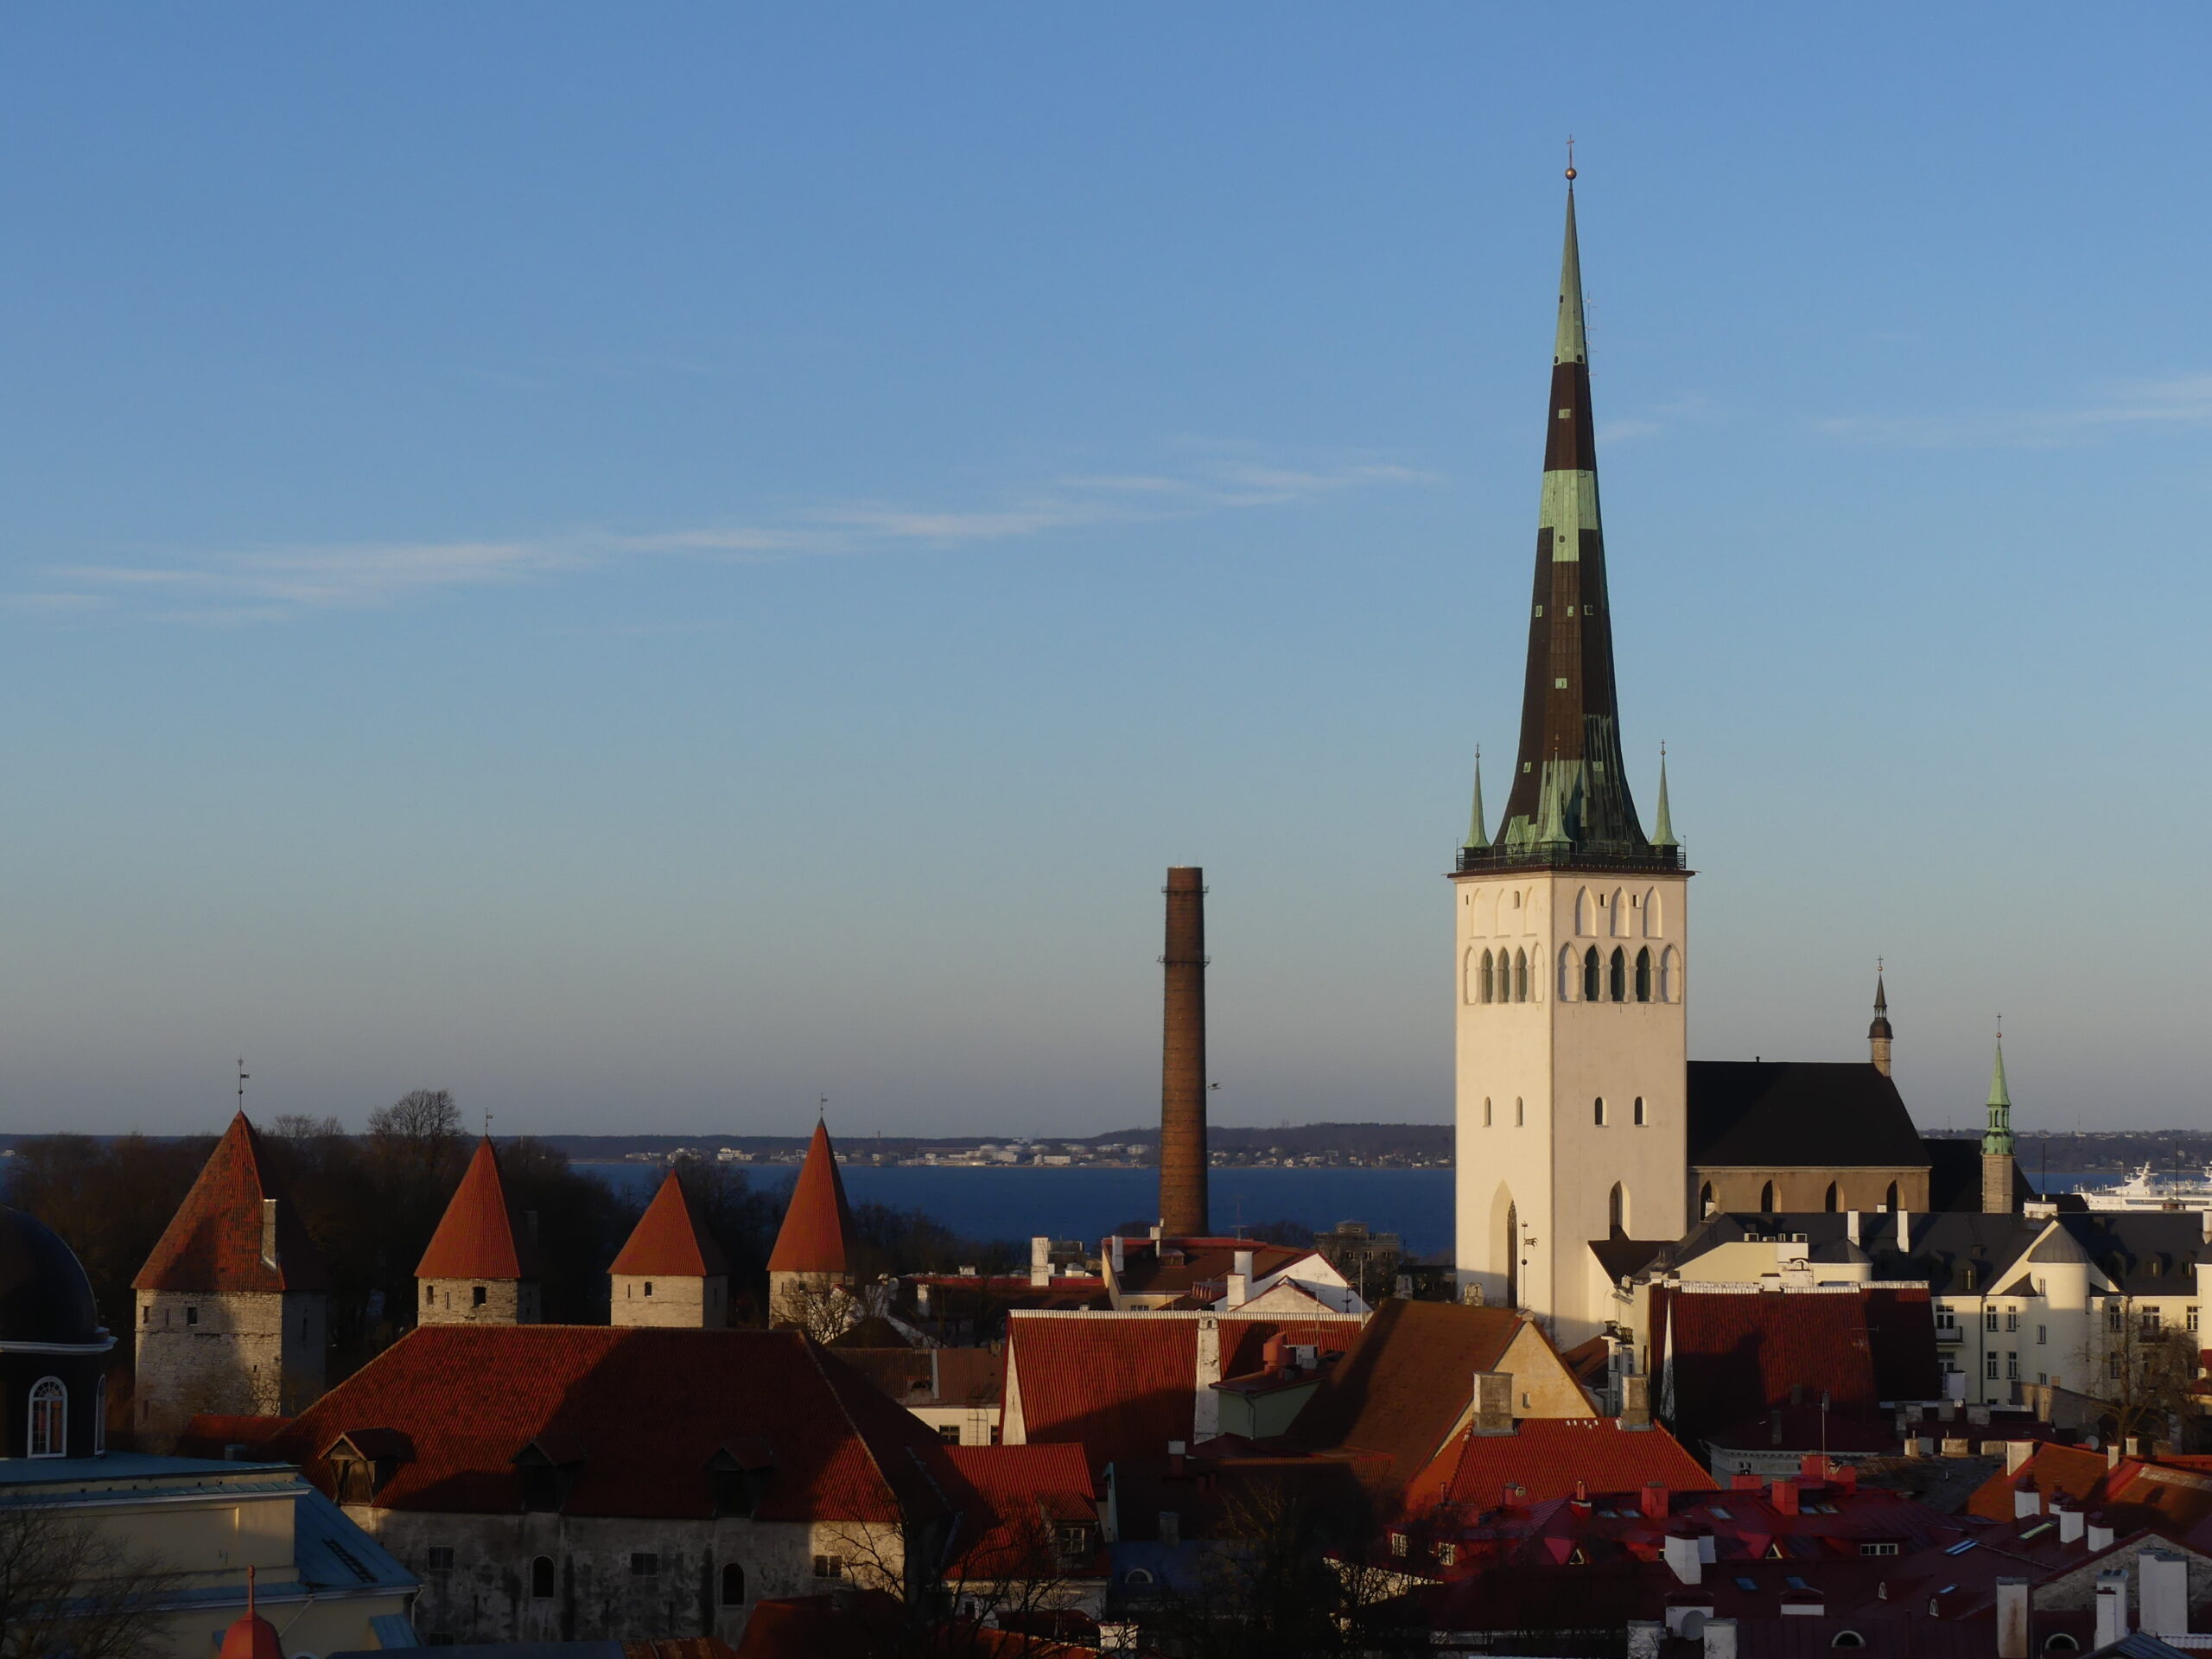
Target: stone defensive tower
481	1268
232	1306
671	1272
811	1258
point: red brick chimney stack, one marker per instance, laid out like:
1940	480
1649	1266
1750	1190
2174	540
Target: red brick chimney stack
1183	1069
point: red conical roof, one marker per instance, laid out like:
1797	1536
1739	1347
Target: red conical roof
477	1237
213	1242
819	1221
250	1636
667	1240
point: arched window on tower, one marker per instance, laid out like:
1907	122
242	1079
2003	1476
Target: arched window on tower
1766	1198
1520	975
733	1585
1644	975
1620	915
1616	1212
1480	919
1617	980
540	1577
1593	975
1640	1119
1520	1112
1570	970
1705	1203
1485	1111
1891	1202
1585	913
49	1424
1597	1112
1482	979
1832	1197
1670	976
1652	928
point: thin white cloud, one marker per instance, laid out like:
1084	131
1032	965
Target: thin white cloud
272	584
1691	408
2174	401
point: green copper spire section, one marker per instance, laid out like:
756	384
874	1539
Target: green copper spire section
1478	837
1997	1140
1663	834
1569	344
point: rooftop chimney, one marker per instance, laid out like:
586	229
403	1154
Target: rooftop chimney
2027	1500
1850	1225
1720	1638
2011	1618
2112	1608
2165	1592
1635	1402
2069	1522
1654	1500
1183	1060
1683	1558
268	1234
1783	1494
1904	1232
1244	1264
2098	1534
1493	1402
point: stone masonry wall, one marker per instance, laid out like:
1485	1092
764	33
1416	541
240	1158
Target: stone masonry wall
479	1589
258	1353
691	1303
453	1301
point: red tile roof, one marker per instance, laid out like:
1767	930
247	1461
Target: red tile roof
2170	1496
1723	1357
1123	1385
638	1412
668	1241
213	1242
477	1237
1547	1457
1407	1380
1028	1489
819	1222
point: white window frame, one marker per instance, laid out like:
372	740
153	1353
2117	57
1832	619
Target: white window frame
53	1392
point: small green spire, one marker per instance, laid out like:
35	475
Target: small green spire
1478	837
1998	1138
1551	828
1663	834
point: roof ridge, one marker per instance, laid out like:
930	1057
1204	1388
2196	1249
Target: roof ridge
814	1352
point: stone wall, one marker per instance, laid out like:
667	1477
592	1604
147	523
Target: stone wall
481	1590
456	1301
1804	1191
690	1304
241	1353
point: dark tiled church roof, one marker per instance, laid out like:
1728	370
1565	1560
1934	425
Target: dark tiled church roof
1796	1113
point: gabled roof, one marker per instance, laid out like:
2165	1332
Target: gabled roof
1795	1114
635	1414
1028	1489
669	1240
1407	1380
974	1377
818	1226
1724	1356
213	1242
1122	1384
1548	1458
477	1237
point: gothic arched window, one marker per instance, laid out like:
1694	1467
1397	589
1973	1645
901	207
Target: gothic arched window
1891	1203
1640	1119
1644	975
1520	1112
1597	1112
1485	1111
1620	915
1586	914
1705	1203
1766	1198
540	1577
1593	988
1832	1197
1520	975
1617	1211
49	1425
1483	992
1569	971
1617	982
1651	924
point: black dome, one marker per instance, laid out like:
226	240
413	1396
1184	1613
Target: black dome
44	1295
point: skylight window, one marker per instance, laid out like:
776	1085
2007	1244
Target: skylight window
1747	1584
1960	1548
1718	1513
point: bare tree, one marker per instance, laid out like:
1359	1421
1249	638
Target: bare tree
2142	1370
824	1311
419	1117
70	1591
1014	1590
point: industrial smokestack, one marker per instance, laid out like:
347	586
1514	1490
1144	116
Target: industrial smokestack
1183	1068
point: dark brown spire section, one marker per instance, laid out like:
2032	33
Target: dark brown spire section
1570	802
1183	1068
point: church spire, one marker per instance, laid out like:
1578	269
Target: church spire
1570	800
1879	1034
1663	832
1477	836
1997	1169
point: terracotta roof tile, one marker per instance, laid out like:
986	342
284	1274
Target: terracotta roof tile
1406	1382
1547	1456
818	1224
213	1242
1026	1488
668	1241
1123	1385
477	1237
1723	1357
641	1411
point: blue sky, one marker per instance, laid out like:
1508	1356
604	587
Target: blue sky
643	566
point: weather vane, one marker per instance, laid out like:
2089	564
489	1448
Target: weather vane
243	1075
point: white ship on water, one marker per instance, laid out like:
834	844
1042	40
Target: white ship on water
2149	1189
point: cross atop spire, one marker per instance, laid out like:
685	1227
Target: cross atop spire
1570	803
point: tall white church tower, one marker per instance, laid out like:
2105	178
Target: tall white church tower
1573	939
